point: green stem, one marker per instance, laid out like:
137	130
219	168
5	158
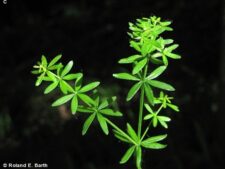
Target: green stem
118	129
140	118
160	108
146	130
141	106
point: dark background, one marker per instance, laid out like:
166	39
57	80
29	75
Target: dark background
93	33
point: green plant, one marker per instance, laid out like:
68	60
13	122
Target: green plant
151	60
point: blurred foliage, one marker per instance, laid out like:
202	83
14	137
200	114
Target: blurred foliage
5	124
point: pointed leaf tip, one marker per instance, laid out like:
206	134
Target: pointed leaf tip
62	100
87	123
127	155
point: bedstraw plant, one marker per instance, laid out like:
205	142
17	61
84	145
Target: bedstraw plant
150	60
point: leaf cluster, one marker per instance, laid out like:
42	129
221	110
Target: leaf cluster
82	98
150	61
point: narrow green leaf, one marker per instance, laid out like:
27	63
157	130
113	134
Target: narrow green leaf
156	61
40	79
158	71
156	55
135	45
53	61
134	89
163	120
84	109
125	76
59	69
121	136
89	87
168	28
153	139
155	146
174	107
87	123
165	60
72	76
149	94
127	155
86	99
130	59
103	123
149	108
35	72
51	75
62	100
62	87
78	83
171	48
46	78
103	104
67	68
74	104
157	101
65	87
110	112
130	34
139	66
161	94
51	87
148	116
97	99
168	41
164	124
173	55
118	113
164	103
161	85
132	133
44	61
166	23
56	67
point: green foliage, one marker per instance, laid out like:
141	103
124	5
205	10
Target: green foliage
150	61
5	124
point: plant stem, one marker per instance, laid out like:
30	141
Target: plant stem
146	130
160	108
140	118
140	115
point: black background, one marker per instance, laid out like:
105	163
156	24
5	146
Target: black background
93	34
